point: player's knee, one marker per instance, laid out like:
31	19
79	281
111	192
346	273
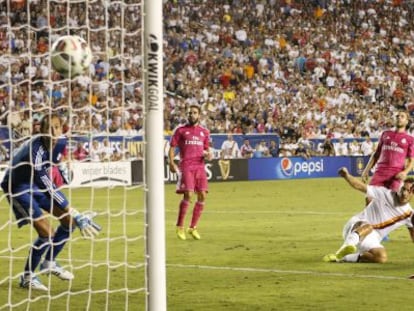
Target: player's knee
201	197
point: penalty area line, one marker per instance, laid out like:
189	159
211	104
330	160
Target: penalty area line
279	271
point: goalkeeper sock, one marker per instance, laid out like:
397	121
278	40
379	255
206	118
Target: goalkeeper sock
181	214
198	209
35	254
62	235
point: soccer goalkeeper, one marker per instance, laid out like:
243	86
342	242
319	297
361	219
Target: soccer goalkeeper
31	192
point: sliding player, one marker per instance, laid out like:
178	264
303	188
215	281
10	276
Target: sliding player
363	233
31	192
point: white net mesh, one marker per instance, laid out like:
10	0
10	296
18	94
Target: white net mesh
101	109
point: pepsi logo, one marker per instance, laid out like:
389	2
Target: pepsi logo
286	167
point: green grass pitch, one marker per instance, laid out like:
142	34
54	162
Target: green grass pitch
261	249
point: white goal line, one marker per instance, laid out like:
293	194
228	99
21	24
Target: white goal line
280	271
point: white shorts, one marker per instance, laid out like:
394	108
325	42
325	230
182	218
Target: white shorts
372	240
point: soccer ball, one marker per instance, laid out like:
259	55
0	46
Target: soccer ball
71	56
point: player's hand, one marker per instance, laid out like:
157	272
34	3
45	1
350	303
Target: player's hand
173	167
343	171
401	175
85	223
208	155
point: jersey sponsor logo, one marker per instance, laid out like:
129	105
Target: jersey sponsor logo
194	141
393	147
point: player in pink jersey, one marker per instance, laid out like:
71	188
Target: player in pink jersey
192	140
393	157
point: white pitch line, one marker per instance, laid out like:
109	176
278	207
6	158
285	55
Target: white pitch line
361	276
249	269
269	212
277	212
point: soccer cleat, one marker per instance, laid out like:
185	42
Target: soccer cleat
30	281
194	233
51	267
330	258
181	233
345	250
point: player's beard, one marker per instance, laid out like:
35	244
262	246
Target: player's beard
192	121
401	126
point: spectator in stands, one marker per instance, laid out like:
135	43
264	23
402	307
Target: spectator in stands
273	149
95	152
80	153
106	150
246	149
302	151
355	148
230	148
341	147
284	149
328	148
116	156
367	146
261	149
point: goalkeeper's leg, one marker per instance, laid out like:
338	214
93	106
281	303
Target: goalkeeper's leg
29	278
49	265
40	246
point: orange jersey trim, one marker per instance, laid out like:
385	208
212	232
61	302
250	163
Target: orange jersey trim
392	221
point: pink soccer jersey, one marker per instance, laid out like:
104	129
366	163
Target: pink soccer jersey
394	148
192	141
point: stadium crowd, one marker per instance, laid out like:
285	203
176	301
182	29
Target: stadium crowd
301	69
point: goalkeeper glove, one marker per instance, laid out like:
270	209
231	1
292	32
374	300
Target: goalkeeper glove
85	223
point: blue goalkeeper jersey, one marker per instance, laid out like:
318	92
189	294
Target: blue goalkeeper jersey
30	170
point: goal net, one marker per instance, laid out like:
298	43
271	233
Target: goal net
106	117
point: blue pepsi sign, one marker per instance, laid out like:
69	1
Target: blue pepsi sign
296	167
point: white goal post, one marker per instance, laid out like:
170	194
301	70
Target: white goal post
154	151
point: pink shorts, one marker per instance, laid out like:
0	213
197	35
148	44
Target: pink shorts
193	180
386	180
